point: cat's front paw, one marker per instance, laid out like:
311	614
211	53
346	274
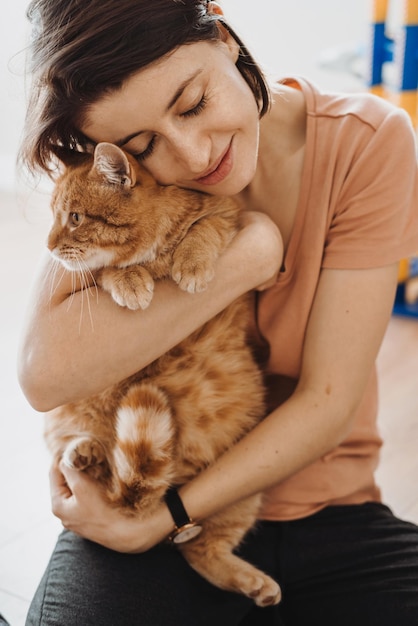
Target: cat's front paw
83	452
131	287
192	276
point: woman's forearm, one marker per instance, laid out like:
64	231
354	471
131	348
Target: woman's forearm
299	432
76	345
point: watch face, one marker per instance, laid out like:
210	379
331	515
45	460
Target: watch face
186	533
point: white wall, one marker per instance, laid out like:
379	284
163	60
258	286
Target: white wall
13	30
287	36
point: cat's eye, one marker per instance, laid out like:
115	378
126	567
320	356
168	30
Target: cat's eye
75	218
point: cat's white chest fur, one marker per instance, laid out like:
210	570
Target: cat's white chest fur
141	256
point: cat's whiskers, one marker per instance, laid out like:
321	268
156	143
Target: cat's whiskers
51	277
73	291
84	274
92	286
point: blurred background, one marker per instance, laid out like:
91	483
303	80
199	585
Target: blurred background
323	40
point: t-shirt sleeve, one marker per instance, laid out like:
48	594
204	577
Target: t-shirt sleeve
375	219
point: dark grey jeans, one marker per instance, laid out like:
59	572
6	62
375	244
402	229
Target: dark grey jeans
344	566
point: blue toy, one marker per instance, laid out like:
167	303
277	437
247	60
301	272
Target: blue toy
402	51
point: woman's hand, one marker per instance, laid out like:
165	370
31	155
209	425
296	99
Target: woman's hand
78	502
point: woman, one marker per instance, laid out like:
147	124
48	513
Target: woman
330	186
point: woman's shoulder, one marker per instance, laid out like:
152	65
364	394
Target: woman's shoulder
369	110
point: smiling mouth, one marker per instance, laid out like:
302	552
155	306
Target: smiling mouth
220	171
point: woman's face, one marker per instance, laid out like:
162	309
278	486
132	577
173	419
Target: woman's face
190	118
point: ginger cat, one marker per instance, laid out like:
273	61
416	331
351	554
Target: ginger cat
166	423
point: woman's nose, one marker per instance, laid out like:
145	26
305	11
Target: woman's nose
193	151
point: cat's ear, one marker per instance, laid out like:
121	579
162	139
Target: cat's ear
112	163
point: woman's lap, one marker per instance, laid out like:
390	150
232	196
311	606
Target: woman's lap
350	565
90	585
342	566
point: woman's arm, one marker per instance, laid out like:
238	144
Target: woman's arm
76	344
345	330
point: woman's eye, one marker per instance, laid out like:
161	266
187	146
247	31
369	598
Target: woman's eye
75	218
141	156
196	109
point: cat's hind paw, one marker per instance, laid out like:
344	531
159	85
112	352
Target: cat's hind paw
82	453
264	591
230	572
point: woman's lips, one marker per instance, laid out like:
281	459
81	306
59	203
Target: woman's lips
220	172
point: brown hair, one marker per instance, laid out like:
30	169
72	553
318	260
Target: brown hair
82	49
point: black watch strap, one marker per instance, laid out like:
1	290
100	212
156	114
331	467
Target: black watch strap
176	508
185	528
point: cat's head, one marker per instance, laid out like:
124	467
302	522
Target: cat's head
104	207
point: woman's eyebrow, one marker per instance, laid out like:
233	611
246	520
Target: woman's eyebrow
172	102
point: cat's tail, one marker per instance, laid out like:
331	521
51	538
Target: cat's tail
143	456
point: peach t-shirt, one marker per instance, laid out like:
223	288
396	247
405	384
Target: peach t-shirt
358	208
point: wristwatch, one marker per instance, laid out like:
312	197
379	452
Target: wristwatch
185	528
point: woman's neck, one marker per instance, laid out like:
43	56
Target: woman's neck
275	187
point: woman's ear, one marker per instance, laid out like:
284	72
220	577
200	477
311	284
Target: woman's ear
231	43
214	7
226	37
